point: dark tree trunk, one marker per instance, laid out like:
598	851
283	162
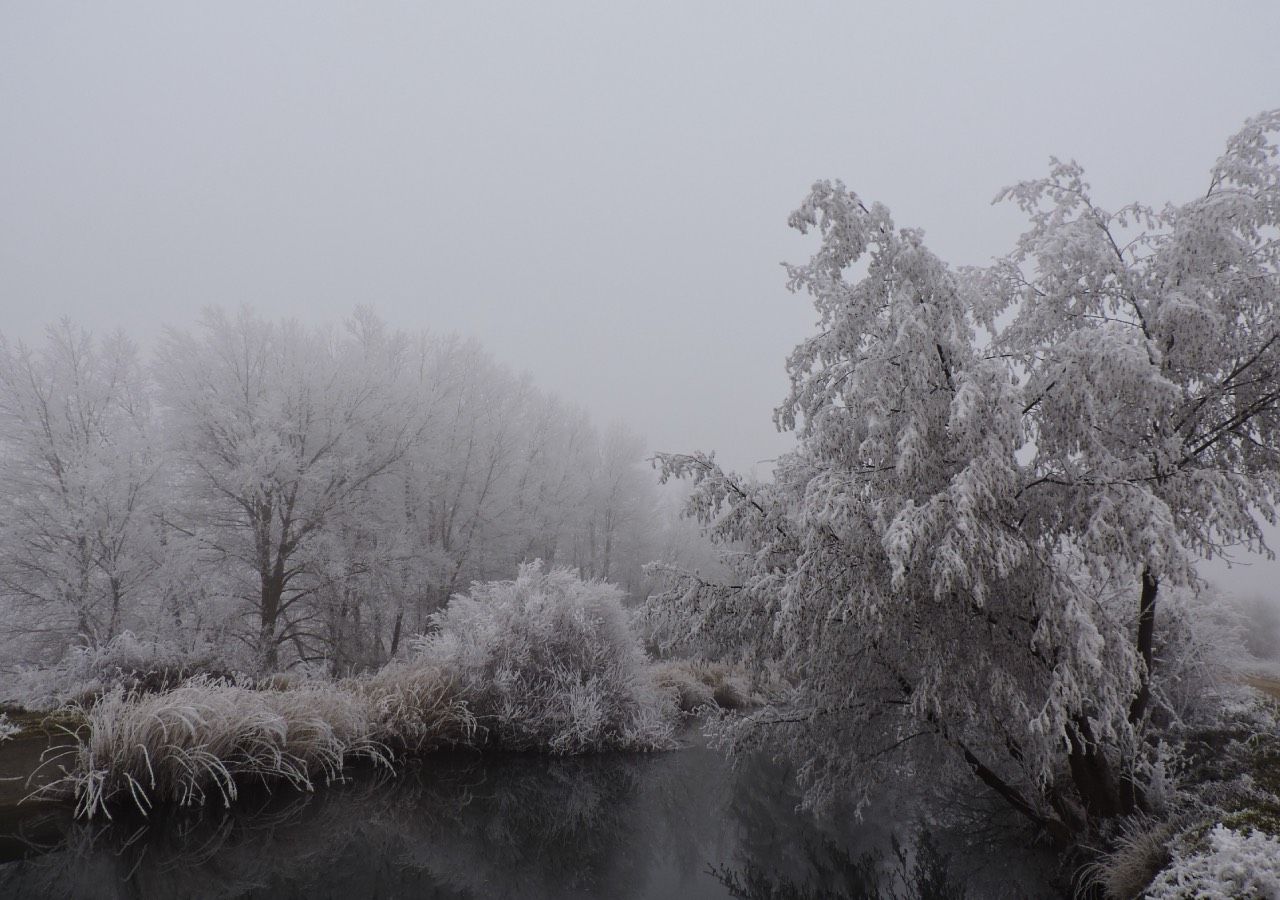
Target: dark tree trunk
1132	797
1091	772
269	613
395	633
117	595
1057	830
1103	794
1146	638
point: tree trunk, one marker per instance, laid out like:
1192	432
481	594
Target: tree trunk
1146	638
1103	794
608	543
1057	830
113	624
1132	797
1091	772
395	633
269	612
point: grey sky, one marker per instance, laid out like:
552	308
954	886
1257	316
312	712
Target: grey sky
598	192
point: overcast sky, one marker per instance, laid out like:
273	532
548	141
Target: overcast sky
598	192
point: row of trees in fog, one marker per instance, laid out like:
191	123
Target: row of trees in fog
305	493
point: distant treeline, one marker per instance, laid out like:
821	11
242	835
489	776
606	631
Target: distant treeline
302	493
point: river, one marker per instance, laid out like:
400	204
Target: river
683	824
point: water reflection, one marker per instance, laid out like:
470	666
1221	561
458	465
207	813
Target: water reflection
923	872
681	824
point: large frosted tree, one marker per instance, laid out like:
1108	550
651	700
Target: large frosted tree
998	473
282	431
81	482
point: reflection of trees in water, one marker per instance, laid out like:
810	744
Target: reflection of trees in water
466	826
922	874
788	854
491	826
208	853
969	848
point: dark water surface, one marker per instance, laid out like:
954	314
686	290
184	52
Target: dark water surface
672	825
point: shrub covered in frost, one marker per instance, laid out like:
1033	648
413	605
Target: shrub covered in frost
549	662
1199	659
1138	851
546	662
7	728
133	664
206	738
678	679
1229	864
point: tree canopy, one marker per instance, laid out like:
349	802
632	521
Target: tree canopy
999	472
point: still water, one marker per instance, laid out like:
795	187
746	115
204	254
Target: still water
683	824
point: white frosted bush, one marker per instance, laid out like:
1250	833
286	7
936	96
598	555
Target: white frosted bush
1138	851
691	693
7	728
1200	657
549	662
546	662
128	662
1233	865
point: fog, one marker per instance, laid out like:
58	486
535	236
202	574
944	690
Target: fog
597	193
381	380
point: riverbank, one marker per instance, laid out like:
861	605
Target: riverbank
207	738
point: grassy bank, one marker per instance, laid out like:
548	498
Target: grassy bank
545	663
1268	686
204	740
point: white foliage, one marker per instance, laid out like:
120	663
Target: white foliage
312	494
1233	866
1200	657
954	556
283	430
81	481
549	662
126	662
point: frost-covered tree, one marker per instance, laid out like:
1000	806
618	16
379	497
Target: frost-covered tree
622	508
998	473
505	473
318	493
281	430
79	505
